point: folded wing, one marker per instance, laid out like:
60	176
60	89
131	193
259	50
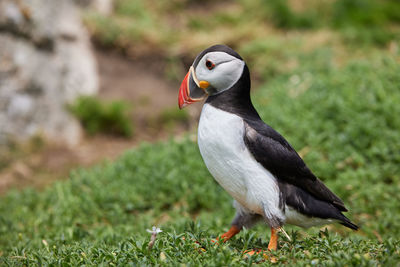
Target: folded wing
272	151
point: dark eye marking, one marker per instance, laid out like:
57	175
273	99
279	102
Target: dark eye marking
210	65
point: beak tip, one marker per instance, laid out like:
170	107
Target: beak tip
181	103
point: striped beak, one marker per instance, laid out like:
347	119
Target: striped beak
191	89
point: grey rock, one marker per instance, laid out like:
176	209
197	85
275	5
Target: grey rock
45	63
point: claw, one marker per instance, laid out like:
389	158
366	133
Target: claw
249	253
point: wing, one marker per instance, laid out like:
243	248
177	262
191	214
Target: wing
272	151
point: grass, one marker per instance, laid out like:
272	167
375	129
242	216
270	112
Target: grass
98	116
180	29
342	118
325	80
170	117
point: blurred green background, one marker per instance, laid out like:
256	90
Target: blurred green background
325	74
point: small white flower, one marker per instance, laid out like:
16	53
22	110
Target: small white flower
155	230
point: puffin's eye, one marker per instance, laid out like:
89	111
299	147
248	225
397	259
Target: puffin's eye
210	65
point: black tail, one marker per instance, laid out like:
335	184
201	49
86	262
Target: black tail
346	222
308	205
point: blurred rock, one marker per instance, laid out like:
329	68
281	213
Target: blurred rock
104	7
45	63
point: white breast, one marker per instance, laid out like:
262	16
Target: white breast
221	143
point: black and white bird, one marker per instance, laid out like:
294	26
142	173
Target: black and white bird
262	172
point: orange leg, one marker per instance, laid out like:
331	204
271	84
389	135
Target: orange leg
272	245
273	242
231	232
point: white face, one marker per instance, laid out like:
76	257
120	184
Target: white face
220	69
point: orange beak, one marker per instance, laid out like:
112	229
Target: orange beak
190	92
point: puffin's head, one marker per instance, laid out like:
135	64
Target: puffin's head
214	71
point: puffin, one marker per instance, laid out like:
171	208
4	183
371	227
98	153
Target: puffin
266	177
